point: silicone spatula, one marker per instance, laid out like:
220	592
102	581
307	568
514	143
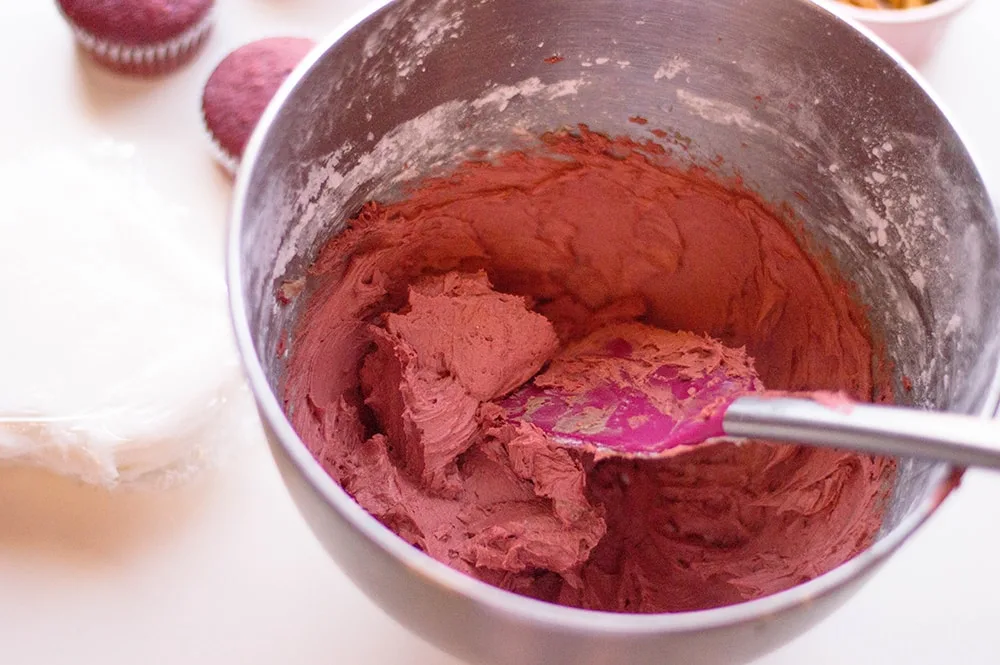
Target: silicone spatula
612	418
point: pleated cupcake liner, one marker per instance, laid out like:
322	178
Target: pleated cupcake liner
146	59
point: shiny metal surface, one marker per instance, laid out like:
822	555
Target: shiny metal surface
958	439
804	108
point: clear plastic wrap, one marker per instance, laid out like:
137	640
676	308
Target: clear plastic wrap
118	364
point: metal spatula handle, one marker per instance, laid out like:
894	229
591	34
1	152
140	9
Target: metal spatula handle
883	430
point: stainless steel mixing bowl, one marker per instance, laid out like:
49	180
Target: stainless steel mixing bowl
805	108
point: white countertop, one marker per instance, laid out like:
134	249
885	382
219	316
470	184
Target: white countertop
224	571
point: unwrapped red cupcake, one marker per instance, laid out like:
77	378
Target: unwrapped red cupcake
145	37
240	89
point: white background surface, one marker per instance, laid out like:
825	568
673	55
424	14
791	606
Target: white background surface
225	572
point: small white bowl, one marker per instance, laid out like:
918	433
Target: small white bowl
914	33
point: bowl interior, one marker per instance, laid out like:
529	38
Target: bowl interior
852	148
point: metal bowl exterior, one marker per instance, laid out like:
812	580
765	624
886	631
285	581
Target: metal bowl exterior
308	118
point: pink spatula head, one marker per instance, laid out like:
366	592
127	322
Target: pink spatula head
631	389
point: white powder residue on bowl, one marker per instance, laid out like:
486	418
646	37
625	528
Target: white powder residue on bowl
669	70
720	112
413	149
421	34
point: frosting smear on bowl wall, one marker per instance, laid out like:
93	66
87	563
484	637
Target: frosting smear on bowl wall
424	313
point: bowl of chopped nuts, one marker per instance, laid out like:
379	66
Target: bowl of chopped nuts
912	27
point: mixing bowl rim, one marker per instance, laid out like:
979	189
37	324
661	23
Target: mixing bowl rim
516	607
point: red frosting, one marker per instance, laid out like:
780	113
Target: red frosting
242	86
457	345
136	22
403	345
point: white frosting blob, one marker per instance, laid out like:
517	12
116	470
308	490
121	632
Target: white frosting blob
117	363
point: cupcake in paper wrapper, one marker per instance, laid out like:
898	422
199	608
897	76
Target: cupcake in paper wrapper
241	87
141	37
